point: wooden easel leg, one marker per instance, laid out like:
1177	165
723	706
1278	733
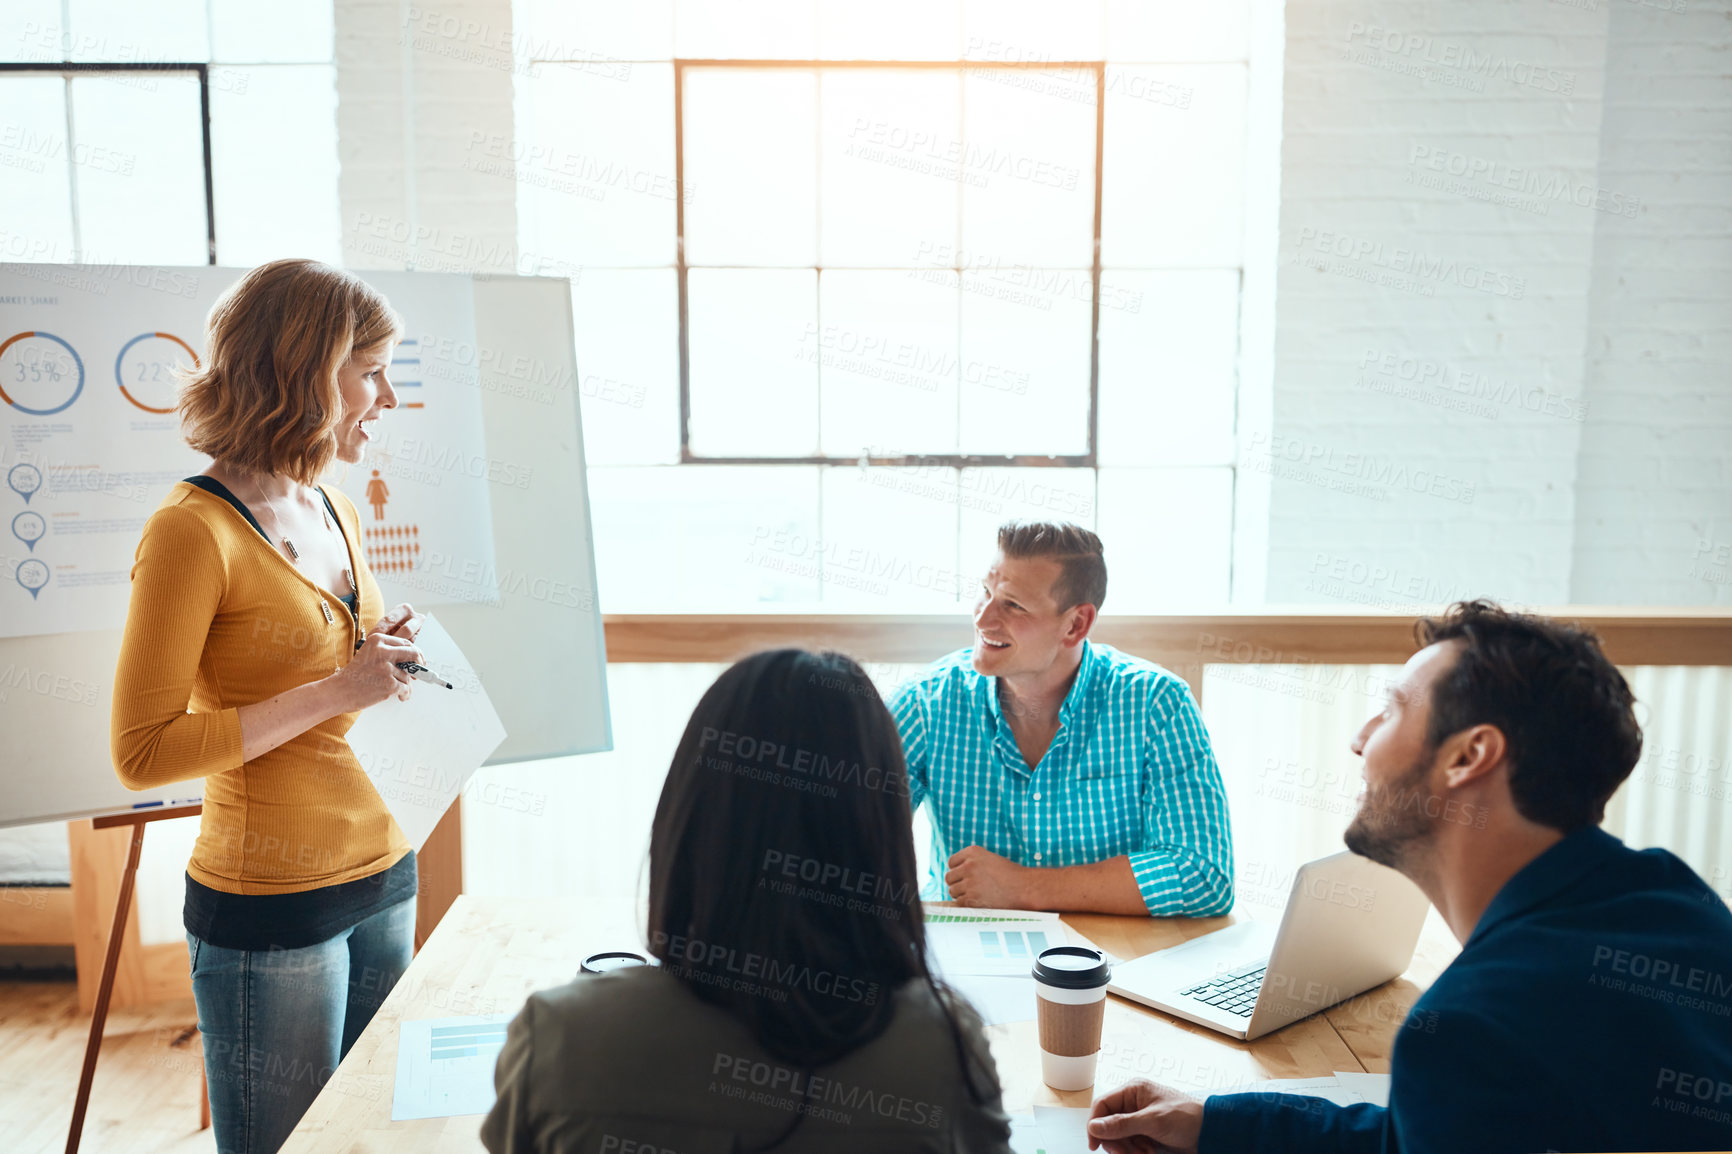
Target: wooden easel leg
203	1099
100	1014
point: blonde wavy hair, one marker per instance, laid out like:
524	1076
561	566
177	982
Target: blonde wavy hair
267	397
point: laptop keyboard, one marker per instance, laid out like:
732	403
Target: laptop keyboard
1234	992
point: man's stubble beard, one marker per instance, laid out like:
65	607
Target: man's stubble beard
1392	826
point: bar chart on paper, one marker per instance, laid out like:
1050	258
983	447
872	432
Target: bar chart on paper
1017	945
445	1066
991	943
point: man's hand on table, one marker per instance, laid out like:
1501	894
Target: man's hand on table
979	877
1141	1117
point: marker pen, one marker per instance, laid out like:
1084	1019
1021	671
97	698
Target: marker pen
422	673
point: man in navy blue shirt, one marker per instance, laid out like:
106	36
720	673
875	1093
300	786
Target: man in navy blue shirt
1590	1008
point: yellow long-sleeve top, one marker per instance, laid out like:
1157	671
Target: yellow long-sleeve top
219	619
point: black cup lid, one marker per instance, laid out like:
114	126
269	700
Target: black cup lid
612	960
1072	968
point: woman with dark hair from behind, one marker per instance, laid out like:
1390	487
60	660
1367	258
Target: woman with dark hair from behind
794	1009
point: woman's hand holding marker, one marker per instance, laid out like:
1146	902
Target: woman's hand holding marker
375	672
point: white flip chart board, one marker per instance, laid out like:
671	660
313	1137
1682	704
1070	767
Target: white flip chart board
479	507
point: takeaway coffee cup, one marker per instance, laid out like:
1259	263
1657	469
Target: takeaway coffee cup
1070	989
612	960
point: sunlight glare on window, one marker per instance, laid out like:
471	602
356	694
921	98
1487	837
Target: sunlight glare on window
890	139
753	392
1025	361
265	207
745	29
890	30
890	539
1172	194
35	185
134	33
594	158
594	30
1169	356
886	347
140	156
626	326
1028	170
1149	517
751	161
281	32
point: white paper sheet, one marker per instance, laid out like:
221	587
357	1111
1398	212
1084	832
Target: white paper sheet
445	1066
1374	1088
998	999
1025	1135
1050	1130
1332	1089
419	753
1064	1128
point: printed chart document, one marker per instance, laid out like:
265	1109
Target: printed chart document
419	753
988	954
445	1066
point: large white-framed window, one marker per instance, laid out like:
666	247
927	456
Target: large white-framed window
889	263
856	287
182	133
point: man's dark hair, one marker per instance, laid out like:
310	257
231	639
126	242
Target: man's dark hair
1566	712
1078	552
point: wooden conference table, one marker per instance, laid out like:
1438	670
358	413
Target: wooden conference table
488	955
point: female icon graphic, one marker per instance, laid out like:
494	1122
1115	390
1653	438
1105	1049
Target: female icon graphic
377	495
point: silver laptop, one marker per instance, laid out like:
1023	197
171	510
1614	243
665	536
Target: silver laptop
1350	924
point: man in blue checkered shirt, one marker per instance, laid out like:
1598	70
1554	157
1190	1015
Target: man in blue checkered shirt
1062	774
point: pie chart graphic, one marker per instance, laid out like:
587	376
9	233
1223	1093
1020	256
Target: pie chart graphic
40	373
144	370
33	575
29	528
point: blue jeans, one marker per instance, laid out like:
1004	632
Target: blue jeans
277	1022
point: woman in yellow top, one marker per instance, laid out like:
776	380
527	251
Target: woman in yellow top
245	663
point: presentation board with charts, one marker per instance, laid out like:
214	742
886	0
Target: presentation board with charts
471	496
90	441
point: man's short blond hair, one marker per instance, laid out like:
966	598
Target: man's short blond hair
267	397
1083	580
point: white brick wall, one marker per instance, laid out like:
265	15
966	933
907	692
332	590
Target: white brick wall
1394	296
1654	481
1561	432
424	126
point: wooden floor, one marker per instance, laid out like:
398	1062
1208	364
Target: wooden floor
145	1097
